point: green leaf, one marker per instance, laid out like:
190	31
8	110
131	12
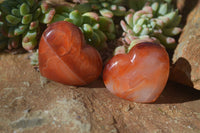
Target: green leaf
30	35
106	13
29	45
47	17
15	12
57	18
163	9
27	19
106	24
34	25
36	14
171	31
87	29
20	30
24	9
12	19
76	17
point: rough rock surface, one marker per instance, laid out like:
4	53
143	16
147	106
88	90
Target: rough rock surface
186	59
29	105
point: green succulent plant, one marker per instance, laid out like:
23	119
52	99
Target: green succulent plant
97	29
139	4
157	21
107	8
20	21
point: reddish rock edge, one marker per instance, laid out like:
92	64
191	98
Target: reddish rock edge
186	59
27	106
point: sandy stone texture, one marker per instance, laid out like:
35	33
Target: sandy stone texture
28	104
186	58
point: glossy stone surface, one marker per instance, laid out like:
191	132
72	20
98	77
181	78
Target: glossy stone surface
140	75
64	57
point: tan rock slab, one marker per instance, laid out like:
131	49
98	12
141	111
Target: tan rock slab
27	106
186	58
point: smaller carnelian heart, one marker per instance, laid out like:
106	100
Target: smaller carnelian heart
65	57
140	75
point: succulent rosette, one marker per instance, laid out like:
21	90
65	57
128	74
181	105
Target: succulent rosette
20	22
155	22
139	4
107	8
97	29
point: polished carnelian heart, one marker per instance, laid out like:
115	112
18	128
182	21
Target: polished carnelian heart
140	75
65	57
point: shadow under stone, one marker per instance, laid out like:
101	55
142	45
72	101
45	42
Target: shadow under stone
181	72
177	93
179	90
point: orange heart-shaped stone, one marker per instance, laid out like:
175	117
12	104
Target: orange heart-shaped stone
140	75
65	57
